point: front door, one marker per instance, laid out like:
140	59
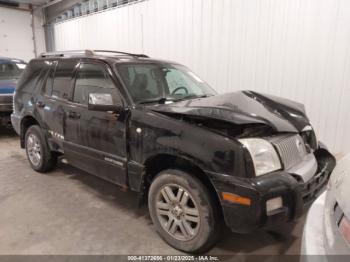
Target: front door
95	141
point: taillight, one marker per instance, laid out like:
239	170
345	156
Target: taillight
344	227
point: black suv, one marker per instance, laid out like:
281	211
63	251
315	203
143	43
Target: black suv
248	159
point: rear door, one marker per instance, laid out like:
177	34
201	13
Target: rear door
95	141
55	93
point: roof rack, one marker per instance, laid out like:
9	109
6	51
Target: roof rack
65	53
88	53
122	53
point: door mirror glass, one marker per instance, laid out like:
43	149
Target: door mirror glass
103	102
100	99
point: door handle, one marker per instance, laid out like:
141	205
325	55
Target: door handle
40	104
73	115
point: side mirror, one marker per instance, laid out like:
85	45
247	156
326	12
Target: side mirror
104	103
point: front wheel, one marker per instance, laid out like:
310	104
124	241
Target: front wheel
38	152
182	211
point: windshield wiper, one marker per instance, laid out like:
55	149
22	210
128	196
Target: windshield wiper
161	100
191	97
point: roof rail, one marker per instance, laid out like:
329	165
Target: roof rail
65	53
122	53
87	53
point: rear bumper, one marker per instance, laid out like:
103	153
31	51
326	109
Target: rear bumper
16	123
296	195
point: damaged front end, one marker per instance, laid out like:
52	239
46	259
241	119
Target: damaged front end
285	167
280	194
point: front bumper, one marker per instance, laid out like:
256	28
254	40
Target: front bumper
296	195
6	107
5	119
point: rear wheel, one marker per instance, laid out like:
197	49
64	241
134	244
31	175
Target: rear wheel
38	152
182	211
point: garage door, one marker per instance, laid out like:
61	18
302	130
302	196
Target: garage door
16	35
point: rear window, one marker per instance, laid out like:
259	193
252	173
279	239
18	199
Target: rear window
63	79
11	69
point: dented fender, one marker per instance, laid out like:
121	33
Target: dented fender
152	134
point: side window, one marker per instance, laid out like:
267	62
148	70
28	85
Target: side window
63	79
92	78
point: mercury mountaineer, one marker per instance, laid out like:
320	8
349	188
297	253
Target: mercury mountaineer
202	160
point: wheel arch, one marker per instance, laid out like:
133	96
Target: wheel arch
155	164
26	122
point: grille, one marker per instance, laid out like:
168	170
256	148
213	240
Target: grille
291	149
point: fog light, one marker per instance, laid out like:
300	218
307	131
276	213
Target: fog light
273	204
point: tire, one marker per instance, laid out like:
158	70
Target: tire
195	222
38	152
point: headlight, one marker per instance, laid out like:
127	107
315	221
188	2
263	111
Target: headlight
264	155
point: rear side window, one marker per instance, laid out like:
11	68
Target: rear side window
41	78
47	89
28	81
92	78
49	83
63	79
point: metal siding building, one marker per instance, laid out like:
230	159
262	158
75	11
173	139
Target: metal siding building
299	49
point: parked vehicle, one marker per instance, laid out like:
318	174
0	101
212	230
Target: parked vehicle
330	234
157	128
10	71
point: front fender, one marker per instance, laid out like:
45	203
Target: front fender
153	133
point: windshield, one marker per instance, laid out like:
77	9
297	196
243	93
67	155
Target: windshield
161	82
10	69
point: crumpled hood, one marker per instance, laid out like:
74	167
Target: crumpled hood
243	107
8	86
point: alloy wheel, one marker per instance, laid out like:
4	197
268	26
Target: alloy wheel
178	212
34	149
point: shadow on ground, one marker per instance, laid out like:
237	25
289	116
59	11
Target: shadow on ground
6	132
280	240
